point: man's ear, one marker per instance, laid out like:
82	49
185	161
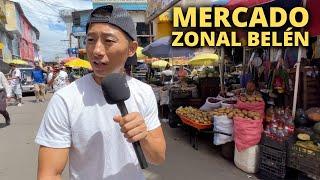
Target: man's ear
133	45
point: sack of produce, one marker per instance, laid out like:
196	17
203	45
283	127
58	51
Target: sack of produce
228	103
225	125
211	103
251	103
247	160
247	130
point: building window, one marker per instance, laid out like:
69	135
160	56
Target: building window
144	34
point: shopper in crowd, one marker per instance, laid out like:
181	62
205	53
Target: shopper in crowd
182	73
39	81
79	126
15	83
166	75
57	78
4	90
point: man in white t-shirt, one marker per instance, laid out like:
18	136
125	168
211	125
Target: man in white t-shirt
58	78
15	84
78	123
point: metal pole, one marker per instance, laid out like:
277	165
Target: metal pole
296	83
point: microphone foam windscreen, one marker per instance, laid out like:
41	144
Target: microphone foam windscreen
115	88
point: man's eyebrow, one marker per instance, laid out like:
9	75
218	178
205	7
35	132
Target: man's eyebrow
109	35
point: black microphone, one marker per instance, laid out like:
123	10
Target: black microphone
116	91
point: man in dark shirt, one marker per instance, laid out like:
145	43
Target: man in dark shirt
39	81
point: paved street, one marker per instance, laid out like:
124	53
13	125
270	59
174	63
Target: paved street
18	152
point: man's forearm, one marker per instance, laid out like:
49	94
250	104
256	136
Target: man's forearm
48	177
153	149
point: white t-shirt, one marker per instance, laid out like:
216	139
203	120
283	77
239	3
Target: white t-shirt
15	74
60	81
79	117
167	72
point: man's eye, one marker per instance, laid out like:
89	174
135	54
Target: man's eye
90	39
107	40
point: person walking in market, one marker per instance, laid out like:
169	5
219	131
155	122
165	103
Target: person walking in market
4	90
39	81
79	126
57	78
15	80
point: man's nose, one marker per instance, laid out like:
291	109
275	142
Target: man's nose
99	50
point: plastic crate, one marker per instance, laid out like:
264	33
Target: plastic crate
272	163
269	173
276	144
304	160
273	156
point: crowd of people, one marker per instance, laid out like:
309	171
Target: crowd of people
43	79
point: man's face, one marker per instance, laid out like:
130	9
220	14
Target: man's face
108	48
56	68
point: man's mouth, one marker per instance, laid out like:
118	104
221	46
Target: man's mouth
99	65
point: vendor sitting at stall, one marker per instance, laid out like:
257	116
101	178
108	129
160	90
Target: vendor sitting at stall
182	73
166	75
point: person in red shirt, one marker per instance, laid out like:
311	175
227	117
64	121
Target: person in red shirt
182	73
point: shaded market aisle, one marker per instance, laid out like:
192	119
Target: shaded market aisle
18	152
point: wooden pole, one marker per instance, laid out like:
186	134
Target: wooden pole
222	69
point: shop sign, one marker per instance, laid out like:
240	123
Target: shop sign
73	51
78	30
158	6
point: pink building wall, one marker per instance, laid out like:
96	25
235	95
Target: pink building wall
26	46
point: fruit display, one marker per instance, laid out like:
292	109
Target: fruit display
251	99
303	137
313	114
309	145
196	115
316	128
233	112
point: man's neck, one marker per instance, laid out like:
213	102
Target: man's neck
97	79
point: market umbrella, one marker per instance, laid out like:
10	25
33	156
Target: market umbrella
68	59
139	53
159	64
204	59
78	63
18	62
162	48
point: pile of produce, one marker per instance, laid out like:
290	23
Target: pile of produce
230	112
310	142
195	115
251	99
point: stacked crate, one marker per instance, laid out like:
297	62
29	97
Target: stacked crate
273	157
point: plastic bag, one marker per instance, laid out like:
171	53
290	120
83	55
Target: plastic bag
247	160
209	105
247	132
164	97
222	124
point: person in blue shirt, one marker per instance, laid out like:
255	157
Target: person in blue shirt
39	81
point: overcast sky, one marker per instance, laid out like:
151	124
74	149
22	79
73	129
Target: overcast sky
44	15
